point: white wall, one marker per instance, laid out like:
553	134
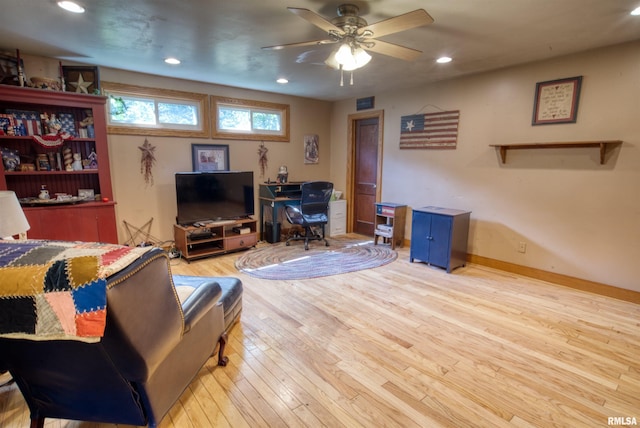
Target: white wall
578	217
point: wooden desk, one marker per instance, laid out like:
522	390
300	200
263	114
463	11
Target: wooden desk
274	197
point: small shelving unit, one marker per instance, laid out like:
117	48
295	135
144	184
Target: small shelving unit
195	242
389	223
602	145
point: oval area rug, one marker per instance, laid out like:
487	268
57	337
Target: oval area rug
278	261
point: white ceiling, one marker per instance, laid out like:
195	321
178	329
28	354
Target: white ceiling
219	41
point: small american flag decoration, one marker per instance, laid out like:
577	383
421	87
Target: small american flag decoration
430	130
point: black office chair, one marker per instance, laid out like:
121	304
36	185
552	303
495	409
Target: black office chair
312	211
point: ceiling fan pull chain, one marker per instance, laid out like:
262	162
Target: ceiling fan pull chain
341	76
351	83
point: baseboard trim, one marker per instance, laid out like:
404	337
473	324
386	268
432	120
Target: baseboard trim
560	279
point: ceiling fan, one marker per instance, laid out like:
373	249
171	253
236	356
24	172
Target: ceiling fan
351	30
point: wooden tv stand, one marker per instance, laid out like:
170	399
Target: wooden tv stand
214	238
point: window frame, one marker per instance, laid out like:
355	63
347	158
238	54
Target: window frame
283	109
158	95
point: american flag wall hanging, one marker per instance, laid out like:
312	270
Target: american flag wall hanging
430	130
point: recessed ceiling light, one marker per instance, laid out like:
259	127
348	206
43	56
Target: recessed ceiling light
282	81
636	11
172	61
71	6
443	60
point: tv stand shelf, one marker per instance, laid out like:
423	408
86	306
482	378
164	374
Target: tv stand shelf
602	145
215	238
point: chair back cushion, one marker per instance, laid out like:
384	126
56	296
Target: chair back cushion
315	198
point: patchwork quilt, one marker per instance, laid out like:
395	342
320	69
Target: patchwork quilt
58	290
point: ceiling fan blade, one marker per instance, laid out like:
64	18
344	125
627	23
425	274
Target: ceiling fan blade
315	19
409	20
293	45
396	51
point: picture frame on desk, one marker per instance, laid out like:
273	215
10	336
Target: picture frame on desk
210	157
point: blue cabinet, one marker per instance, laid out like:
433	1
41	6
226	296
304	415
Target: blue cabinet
439	236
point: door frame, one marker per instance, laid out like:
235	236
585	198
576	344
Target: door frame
351	159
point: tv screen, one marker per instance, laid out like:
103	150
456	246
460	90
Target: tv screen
221	195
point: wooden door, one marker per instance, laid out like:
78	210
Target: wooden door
366	165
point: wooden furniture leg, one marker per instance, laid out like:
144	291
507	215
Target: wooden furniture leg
37	422
223	359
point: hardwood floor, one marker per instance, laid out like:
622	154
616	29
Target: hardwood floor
408	345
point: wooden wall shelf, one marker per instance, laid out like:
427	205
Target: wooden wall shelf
603	145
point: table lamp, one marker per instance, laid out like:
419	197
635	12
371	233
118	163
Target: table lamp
12	218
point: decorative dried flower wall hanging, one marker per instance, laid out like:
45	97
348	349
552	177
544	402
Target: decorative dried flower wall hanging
146	162
262	158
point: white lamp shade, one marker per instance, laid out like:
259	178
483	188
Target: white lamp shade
332	62
343	55
12	218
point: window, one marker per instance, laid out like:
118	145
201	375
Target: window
249	120
148	111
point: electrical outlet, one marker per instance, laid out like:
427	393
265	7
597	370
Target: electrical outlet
522	247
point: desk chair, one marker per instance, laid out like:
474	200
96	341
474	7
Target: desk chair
312	211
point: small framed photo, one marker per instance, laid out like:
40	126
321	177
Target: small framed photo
311	148
556	101
86	194
210	157
81	79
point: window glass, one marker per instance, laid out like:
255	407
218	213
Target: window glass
150	111
234	119
250	120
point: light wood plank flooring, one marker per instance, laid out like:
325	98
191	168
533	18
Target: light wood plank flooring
408	345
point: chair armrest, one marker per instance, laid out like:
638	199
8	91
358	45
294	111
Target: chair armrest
200	302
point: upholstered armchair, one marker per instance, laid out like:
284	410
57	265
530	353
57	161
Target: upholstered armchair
152	347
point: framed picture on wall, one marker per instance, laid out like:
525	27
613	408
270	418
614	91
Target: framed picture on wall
210	157
556	101
81	79
9	70
311	149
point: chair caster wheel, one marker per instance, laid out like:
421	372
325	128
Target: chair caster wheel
287	244
326	244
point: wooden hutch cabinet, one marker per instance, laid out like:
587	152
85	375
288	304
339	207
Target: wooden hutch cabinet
71	219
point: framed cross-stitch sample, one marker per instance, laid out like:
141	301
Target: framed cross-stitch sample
556	101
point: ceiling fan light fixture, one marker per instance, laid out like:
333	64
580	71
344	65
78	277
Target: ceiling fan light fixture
348	58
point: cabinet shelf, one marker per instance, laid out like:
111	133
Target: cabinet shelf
29	173
602	145
30	138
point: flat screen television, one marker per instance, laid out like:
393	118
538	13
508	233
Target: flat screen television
220	195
